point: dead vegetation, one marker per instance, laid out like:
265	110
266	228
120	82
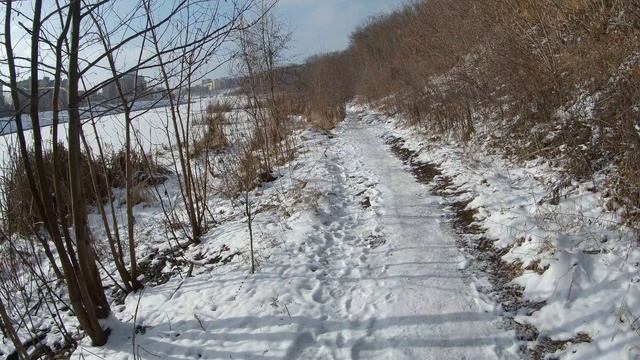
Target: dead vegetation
19	213
218	107
45	222
558	80
327	85
213	138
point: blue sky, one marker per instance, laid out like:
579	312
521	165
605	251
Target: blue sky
316	26
325	25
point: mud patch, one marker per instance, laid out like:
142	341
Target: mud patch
424	172
374	241
152	267
40	349
219	258
401	152
546	346
464	221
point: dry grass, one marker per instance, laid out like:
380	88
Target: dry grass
213	138
552	79
239	173
141	194
219	107
327	85
20	215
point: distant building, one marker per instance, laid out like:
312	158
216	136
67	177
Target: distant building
45	82
45	99
132	86
5	107
45	94
157	93
209	84
25	84
225	83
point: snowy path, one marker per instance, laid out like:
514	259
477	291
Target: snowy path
406	298
367	271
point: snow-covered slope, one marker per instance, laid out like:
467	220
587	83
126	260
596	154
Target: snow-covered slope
545	250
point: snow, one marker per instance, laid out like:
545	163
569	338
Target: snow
592	259
151	127
355	261
358	260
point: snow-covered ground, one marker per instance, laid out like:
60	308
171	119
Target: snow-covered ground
355	261
151	128
8	124
575	261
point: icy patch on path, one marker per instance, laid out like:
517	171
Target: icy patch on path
370	271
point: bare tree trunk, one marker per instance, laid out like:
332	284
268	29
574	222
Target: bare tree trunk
11	331
57	186
117	256
186	185
247	209
20	133
72	238
89	281
129	277
67	258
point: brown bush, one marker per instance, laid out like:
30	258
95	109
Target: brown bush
20	215
239	172
328	84
146	170
213	137
553	79
219	107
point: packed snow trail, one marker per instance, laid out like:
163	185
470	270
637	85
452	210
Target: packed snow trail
364	266
413	301
387	286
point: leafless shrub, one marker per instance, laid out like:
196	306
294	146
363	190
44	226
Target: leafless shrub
239	172
21	215
219	107
328	86
261	51
213	137
542	78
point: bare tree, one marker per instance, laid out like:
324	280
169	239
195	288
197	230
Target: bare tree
128	276
201	37
58	41
261	47
78	263
9	329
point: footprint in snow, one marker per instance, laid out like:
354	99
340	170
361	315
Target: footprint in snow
319	296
